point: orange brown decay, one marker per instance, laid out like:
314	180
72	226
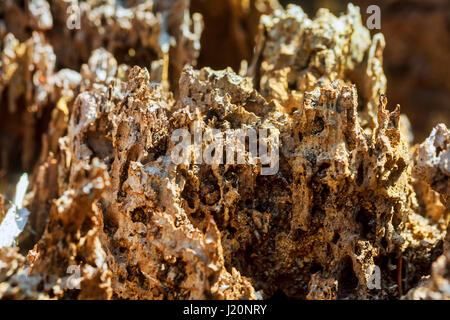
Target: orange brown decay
106	198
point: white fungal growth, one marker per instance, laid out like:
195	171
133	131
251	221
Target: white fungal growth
16	217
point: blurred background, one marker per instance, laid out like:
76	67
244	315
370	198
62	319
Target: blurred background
416	58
